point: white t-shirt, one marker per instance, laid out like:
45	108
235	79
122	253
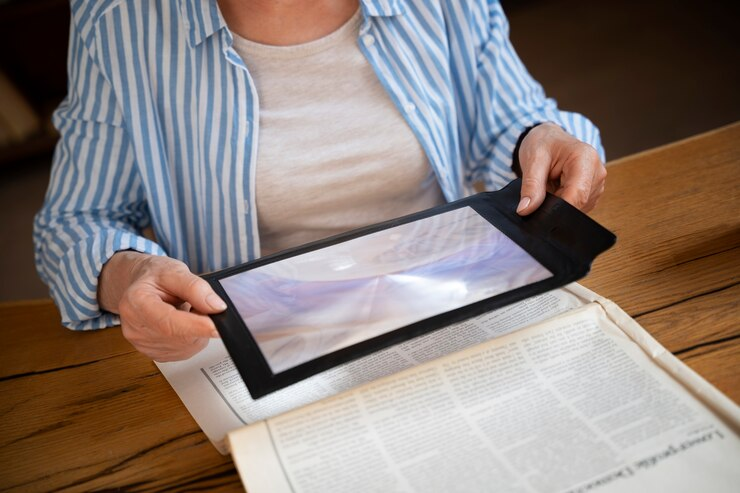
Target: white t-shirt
334	152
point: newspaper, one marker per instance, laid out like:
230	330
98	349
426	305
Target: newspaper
210	386
584	401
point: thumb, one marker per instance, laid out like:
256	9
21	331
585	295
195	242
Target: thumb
535	172
192	289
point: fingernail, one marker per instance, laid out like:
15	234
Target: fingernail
523	204
215	302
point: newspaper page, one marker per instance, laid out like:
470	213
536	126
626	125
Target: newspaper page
213	392
570	405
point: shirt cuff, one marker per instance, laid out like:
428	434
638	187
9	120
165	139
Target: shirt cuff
75	285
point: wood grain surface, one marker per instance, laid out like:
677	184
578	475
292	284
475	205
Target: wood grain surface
84	411
676	265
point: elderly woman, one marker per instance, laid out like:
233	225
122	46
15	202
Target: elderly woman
237	128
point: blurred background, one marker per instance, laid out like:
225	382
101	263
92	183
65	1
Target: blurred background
646	72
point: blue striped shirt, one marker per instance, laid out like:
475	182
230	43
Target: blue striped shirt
160	128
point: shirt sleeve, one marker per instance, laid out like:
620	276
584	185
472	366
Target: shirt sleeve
95	203
509	101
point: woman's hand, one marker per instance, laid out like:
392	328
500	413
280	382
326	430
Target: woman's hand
154	297
553	160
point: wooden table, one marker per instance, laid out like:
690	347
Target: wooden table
83	411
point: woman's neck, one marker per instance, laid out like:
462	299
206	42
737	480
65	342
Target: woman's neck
286	22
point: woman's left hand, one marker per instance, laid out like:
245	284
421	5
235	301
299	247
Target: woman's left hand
553	160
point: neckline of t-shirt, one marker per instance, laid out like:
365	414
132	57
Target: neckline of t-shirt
253	48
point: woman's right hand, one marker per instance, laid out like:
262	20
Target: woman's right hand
163	306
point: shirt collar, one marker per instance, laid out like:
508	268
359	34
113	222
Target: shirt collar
382	8
202	18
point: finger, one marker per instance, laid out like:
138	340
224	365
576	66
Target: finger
597	184
597	187
594	199
535	171
190	288
187	326
163	320
582	178
576	183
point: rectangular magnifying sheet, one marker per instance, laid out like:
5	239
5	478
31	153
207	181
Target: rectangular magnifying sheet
306	306
297	313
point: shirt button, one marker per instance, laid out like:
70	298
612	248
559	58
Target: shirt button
409	107
368	39
246	207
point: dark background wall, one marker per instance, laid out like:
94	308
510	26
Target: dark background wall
647	73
